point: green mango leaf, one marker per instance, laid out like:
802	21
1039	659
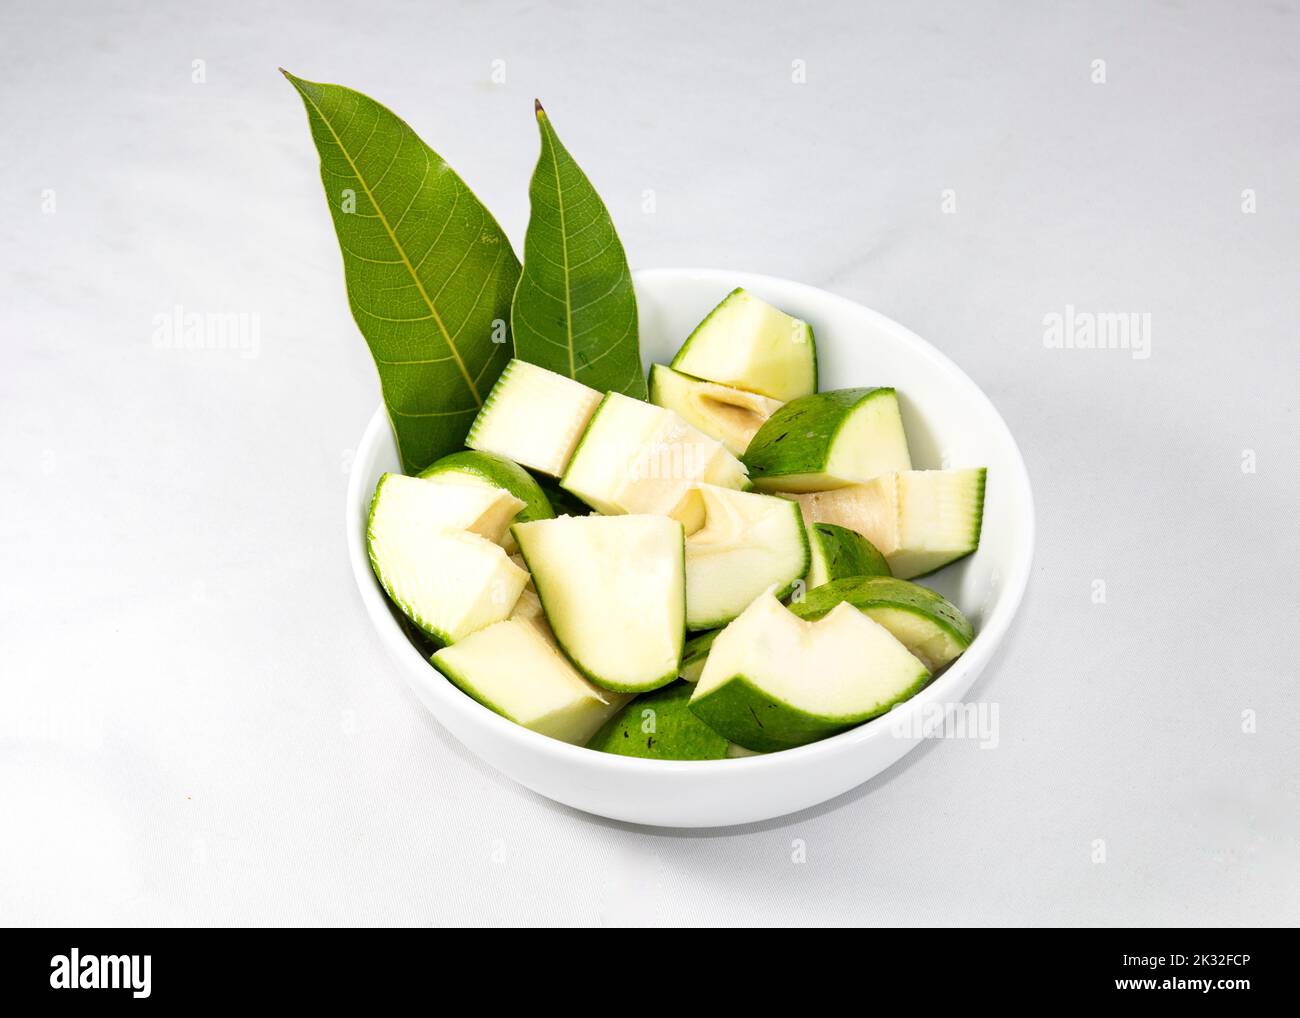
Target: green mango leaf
429	272
575	311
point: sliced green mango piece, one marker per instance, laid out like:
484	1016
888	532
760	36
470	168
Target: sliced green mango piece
413	502
614	592
925	622
448	581
534	417
660	726
920	520
748	543
829	440
838	552
732	416
514	668
774	681
748	344
639	458
487	469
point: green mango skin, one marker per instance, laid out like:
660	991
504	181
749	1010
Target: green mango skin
752	719
866	593
799	437
678	734
755	721
503	473
872	595
846	552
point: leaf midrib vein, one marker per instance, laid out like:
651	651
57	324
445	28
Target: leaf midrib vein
564	250
401	251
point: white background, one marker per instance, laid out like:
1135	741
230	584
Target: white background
197	724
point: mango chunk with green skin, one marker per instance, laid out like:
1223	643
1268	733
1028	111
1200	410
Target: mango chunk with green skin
660	726
829	440
732	416
837	553
775	681
930	626
489	469
514	668
920	520
432	548
533	417
416	505
748	543
451	585
613	589
746	343
635	457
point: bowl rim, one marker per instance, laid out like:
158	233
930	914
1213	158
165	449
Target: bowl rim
419	672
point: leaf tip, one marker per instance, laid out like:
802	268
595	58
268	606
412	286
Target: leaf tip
537	108
301	85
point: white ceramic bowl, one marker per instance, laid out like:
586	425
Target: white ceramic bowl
949	422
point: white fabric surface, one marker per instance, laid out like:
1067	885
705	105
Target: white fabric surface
196	722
